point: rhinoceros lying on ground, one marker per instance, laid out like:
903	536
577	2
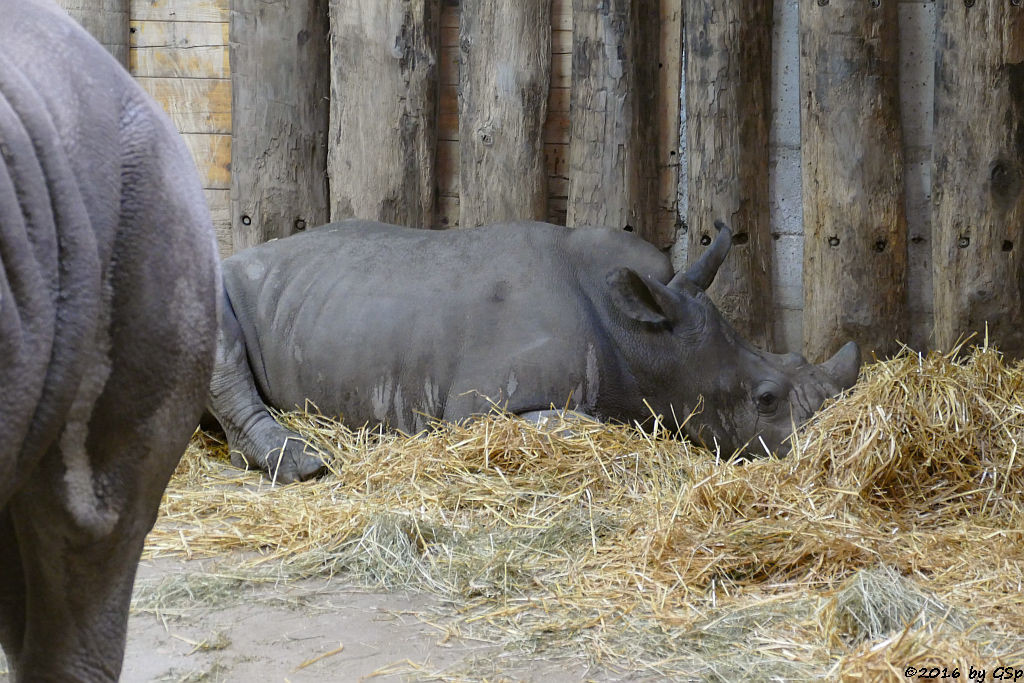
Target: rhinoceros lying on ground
387	324
108	320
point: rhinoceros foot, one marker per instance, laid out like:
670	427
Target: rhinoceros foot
284	456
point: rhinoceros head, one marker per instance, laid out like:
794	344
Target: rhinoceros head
741	397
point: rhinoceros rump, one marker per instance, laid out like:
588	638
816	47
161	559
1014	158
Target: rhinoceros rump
108	319
386	324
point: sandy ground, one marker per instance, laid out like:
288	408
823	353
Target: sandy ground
279	631
314	630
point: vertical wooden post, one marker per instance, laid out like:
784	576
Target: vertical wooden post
106	21
384	110
668	109
280	86
505	50
855	227
728	115
978	177
613	134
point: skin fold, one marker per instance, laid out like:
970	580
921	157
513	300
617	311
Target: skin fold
109	287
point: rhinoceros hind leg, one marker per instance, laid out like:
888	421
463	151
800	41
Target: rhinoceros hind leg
12	592
255	438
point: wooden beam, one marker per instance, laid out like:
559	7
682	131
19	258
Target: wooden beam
668	109
173	62
196	105
280	87
505	74
613	133
978	176
106	21
219	202
212	154
181	10
384	109
855	227
728	117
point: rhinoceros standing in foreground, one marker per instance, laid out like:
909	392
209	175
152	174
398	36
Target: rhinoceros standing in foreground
386	324
108	321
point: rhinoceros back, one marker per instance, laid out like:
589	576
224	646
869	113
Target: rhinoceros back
378	322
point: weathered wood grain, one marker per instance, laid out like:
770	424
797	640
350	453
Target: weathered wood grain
384	110
505	74
105	20
212	154
447	170
180	10
728	117
185	49
978	177
179	54
668	109
196	105
196	62
556	128
183	35
613	135
219	202
280	87
855	227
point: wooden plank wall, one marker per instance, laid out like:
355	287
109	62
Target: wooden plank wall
179	54
978	181
855	224
728	120
382	147
106	21
556	130
504	84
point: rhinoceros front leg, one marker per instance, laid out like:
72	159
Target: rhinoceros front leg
255	438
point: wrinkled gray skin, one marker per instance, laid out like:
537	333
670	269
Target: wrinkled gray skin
386	324
108	319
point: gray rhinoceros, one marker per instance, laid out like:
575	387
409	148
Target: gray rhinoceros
392	325
109	283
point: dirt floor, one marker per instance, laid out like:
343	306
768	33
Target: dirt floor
313	631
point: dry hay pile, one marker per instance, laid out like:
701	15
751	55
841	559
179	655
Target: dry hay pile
893	535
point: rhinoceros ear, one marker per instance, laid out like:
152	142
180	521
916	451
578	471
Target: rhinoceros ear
641	298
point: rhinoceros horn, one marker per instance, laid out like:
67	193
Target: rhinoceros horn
702	273
844	366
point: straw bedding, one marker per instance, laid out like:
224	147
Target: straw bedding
893	534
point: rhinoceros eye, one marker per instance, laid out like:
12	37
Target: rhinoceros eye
767	398
767	401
